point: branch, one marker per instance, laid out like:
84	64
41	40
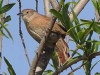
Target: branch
54	4
21	35
97	15
91	56
77	68
47	8
41	47
0	50
36	5
78	8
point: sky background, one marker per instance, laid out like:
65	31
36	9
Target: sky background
14	51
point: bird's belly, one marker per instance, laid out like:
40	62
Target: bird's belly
37	34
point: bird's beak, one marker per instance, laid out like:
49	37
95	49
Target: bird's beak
20	14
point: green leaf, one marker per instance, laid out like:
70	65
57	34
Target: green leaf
4	27
48	72
66	19
62	2
73	59
95	65
94	3
76	53
55	60
8	18
97	73
1	2
2	33
81	33
9	34
95	47
4	73
86	33
76	20
10	68
67	23
6	8
57	14
75	27
96	28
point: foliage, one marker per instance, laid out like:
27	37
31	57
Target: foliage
81	32
5	19
97	73
3	28
10	68
48	72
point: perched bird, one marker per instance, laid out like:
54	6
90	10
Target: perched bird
37	24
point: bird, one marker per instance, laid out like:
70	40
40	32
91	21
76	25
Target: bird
36	25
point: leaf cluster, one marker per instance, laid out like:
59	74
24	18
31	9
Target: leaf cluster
5	19
81	32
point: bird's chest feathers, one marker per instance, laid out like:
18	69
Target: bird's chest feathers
34	29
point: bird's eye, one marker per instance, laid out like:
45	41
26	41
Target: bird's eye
27	12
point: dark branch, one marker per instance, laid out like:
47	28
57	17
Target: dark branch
36	5
21	34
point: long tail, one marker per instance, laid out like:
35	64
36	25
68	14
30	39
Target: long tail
62	51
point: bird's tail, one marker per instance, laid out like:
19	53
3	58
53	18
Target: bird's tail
62	51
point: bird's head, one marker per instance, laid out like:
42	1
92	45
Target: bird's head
27	13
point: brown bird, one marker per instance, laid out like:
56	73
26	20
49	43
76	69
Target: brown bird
37	24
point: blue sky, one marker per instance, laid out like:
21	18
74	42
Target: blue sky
13	50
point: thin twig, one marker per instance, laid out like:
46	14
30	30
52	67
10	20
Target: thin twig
36	5
74	52
0	50
77	68
21	35
91	56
